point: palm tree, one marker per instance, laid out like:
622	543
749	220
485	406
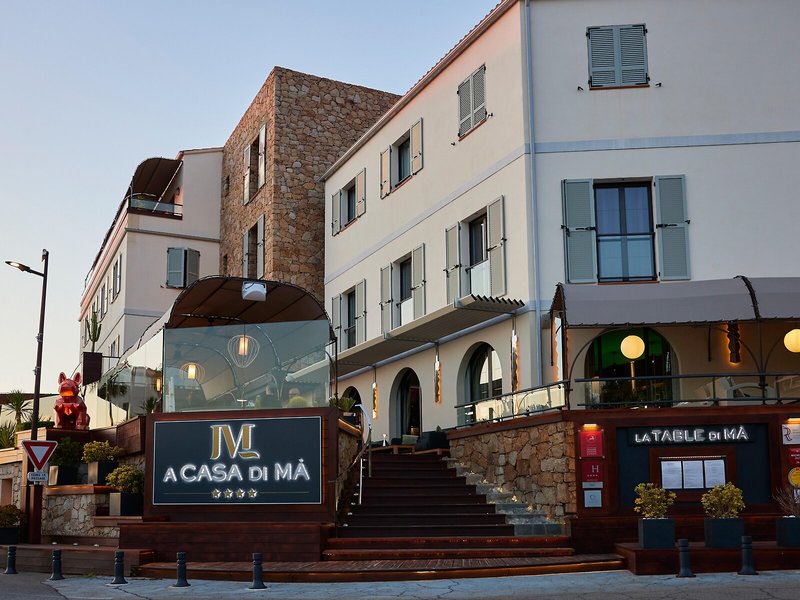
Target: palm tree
7	431
19	405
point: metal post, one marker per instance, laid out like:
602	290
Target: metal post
56	575
181	569
119	568
747	557
11	562
258	574
683	559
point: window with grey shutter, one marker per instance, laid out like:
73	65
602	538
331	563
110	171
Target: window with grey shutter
617	55
580	246
472	101
246	253
452	244
260	247
465	107
416	147
192	266
479	96
336	212
418	280
336	312
386	299
361	311
672	228
385	172
496	241
361	193
262	155
246	178
175	267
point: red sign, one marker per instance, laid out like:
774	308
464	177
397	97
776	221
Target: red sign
591	443
39	451
591	471
794	457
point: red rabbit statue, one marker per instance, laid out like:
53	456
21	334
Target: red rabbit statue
70	408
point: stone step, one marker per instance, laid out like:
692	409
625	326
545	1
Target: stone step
539	529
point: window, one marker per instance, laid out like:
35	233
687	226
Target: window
117	277
183	267
403	290
114	351
103	301
348	316
253	251
610	235
349	203
255	165
484	379
617	56
402	159
472	101
482	268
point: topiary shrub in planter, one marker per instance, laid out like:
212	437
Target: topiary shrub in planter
723	526
787	528
128	501
64	463
101	458
656	530
11	521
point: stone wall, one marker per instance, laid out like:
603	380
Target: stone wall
536	462
310	122
73	515
12	471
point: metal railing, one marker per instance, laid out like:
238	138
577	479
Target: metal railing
151	204
341	480
525	402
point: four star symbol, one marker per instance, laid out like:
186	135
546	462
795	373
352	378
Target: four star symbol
239	493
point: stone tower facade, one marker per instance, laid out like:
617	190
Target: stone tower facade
273	206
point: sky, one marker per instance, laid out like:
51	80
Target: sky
90	88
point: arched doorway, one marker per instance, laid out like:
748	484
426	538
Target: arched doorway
352	393
627	380
484	379
408	405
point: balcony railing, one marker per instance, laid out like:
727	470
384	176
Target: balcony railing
151	204
479	279
515	404
406	311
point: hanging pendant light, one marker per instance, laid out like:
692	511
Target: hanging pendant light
632	347
243	350
193	372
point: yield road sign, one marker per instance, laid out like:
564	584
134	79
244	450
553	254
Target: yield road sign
39	451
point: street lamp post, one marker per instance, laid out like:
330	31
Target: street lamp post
34	492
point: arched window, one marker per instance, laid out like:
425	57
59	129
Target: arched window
620	377
484	377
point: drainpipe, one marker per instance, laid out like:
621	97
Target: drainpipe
534	283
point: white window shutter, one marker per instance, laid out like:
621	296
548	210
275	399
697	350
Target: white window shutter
246	178
260	247
336	312
452	239
672	229
580	240
246	254
386	299
633	55
418	280
479	96
465	107
336	212
496	242
262	155
416	147
602	57
385	172
361	311
175	267
361	193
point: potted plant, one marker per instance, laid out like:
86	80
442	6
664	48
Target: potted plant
723	526
656	530
787	528
102	459
346	404
64	463
129	499
11	520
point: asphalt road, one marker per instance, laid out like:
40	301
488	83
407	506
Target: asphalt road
773	585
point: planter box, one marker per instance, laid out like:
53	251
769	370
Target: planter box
123	504
723	533
63	475
787	532
657	533
98	471
9	535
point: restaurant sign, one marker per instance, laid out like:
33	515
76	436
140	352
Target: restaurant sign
238	461
707	434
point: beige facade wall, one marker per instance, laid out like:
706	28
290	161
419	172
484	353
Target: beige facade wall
310	121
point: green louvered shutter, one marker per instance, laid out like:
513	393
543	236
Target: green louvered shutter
361	311
260	247
336	210
602	57
496	242
336	312
633	55
580	244
453	263
192	266
361	193
465	107
386	299
416	147
672	228
418	280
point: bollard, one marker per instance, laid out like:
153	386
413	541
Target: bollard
181	568
56	575
683	559
119	568
747	556
258	574
11	562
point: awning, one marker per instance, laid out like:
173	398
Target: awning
152	176
462	314
777	297
665	303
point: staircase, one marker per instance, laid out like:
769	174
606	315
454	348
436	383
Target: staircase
416	507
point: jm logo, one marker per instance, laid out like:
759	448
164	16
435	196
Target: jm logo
241	445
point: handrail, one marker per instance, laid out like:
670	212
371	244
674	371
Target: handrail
522	391
339	481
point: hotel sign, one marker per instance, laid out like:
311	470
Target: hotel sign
707	434
238	461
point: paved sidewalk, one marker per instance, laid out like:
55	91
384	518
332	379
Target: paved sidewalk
773	585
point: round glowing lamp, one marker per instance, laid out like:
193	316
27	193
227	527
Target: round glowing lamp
792	340
632	347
